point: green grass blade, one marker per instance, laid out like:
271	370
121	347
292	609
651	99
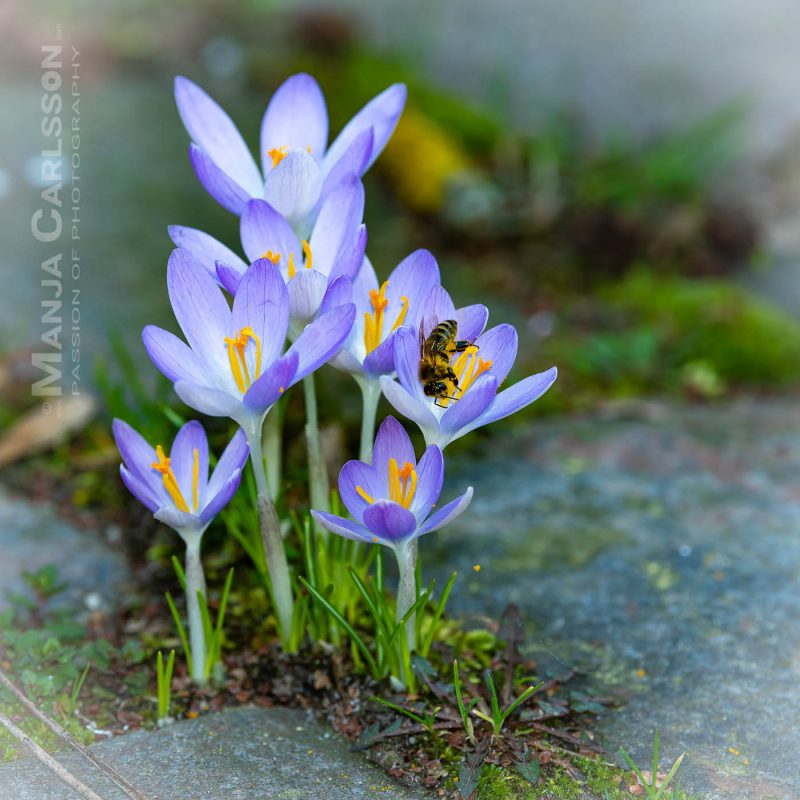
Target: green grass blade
334	612
437	615
520	700
496	714
410	714
181	631
178	567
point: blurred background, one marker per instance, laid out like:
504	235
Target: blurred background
621	180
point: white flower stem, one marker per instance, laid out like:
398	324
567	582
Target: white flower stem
370	396
274	551
319	488
272	442
195	583
407	588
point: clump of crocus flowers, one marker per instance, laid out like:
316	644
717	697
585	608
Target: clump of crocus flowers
302	293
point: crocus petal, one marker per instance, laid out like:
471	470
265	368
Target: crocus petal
406	362
354	161
338	293
391	441
414	277
293	187
410	406
140	489
138	456
221	498
322	338
381	360
430	476
136	452
214	402
229	277
262	228
446	513
218	184
273	382
295	117
338	220
381	114
364	281
261	303
438	308
471	321
306	291
189	438
200	309
389	521
178	520
358	474
351	256
342	527
212	129
511	400
346	361
205	249
234	457
472	404
173	357
499	345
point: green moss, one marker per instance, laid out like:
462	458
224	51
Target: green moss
745	340
556	547
667	336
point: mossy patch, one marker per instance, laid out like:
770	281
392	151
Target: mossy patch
554	547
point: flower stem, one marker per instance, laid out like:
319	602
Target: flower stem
274	551
272	442
370	396
407	588
318	484
195	584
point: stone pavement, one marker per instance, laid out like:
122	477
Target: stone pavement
660	550
239	754
32	536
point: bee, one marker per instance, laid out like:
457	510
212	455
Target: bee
438	378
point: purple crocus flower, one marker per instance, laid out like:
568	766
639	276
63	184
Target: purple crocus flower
179	492
391	502
480	369
177	487
234	365
410	293
298	170
311	269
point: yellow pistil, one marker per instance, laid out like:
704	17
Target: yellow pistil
467	367
373	321
196	479
164	467
273	257
307	262
236	354
277	154
402	483
364	495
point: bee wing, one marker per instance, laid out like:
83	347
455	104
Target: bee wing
426	327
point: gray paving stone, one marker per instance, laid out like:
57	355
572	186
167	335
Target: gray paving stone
240	754
667	541
32	536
